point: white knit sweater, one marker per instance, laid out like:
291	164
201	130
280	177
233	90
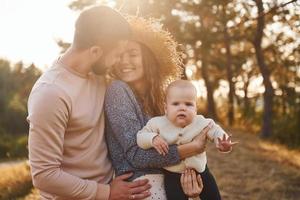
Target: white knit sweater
176	135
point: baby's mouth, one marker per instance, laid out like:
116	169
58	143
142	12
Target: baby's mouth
181	116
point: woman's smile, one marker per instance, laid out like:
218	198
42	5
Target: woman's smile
130	69
127	70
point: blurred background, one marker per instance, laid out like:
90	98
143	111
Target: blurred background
242	55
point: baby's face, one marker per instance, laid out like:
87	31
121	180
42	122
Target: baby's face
180	106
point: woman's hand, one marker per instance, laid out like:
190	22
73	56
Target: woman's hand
191	184
201	139
196	146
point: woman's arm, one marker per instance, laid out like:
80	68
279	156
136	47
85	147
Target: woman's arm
197	146
125	119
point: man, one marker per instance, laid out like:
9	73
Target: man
67	151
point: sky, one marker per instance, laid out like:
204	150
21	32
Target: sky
29	29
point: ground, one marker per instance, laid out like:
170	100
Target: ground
254	170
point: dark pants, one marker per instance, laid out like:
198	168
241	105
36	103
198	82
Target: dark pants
174	191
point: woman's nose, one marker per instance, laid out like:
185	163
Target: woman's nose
124	59
117	59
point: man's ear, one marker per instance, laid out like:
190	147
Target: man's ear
96	52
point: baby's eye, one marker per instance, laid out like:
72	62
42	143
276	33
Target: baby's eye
189	104
175	103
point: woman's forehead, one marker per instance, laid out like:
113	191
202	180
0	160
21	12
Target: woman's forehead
132	45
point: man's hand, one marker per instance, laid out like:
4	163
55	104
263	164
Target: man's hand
191	184
123	190
225	145
160	145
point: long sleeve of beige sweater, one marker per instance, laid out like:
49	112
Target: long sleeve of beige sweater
67	152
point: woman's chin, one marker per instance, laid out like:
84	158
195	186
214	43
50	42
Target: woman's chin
125	79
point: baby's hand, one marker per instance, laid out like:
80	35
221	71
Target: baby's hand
160	145
225	145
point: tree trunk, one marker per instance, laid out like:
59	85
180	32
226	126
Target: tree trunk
269	93
246	99
229	77
210	93
283	101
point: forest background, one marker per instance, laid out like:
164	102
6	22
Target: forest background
243	56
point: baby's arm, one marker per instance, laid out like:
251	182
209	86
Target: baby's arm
146	135
149	137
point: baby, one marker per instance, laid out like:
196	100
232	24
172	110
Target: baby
179	126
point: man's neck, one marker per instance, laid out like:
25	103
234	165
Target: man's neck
75	60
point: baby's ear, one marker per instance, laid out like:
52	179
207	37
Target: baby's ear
165	107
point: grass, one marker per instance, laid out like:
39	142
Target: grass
15	181
256	170
280	153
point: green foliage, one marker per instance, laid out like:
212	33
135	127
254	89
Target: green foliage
13	146
287	119
287	131
15	84
4	144
19	148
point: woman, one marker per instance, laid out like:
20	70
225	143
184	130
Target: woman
150	62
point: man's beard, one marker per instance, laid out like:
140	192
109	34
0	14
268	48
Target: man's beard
99	68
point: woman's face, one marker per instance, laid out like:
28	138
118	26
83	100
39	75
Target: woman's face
130	68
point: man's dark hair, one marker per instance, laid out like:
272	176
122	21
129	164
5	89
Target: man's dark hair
100	25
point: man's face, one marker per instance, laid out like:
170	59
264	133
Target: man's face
108	59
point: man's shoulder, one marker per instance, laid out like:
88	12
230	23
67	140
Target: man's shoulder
51	75
48	83
47	90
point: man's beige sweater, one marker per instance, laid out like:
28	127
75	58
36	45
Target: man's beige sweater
67	149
